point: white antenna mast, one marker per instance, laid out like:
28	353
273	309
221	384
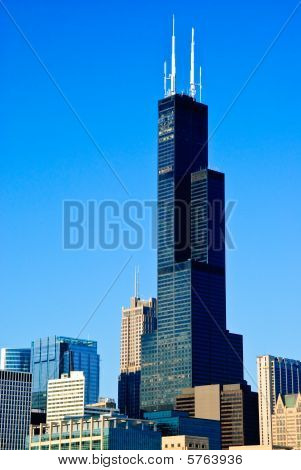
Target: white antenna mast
165	79
192	82
200	84
173	59
138	281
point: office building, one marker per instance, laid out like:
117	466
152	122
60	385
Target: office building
276	375
138	319
192	345
56	355
17	359
235	406
179	423
15	407
185	443
66	396
286	422
96	433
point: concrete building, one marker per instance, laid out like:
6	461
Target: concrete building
234	406
185	443
276	375
138	319
66	396
286	422
95	433
15	406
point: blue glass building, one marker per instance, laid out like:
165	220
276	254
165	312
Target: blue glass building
56	355
191	345
178	423
15	359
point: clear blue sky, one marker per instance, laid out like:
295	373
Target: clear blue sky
107	57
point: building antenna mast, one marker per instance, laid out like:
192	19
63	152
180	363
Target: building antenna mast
192	82
172	75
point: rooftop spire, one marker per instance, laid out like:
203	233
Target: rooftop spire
136	288
192	81
173	59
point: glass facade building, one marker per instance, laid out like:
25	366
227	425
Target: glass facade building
53	356
15	407
276	376
191	345
15	359
178	423
96	433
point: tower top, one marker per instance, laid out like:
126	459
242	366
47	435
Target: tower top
172	76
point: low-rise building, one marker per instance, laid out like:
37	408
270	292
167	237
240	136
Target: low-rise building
95	433
185	443
179	423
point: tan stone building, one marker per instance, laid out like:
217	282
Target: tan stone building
137	319
185	443
66	396
286	421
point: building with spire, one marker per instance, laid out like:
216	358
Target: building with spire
191	345
137	319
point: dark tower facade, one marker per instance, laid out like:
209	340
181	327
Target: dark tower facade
191	345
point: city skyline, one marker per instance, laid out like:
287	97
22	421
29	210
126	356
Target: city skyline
85	287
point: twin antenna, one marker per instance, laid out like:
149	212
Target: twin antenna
172	76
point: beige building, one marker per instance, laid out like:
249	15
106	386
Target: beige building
66	396
137	319
235	406
286	421
260	447
185	443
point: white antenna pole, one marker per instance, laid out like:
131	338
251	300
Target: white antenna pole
165	79
173	59
138	281
201	84
192	82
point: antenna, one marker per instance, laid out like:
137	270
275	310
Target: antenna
192	82
165	79
200	84
173	59
135	283
138	282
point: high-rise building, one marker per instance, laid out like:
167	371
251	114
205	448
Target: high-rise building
17	359
276	375
15	406
191	345
56	355
138	319
234	405
286	422
66	396
100	432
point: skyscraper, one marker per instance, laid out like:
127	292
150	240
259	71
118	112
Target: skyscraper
138	319
191	345
15	359
276	375
56	355
15	406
